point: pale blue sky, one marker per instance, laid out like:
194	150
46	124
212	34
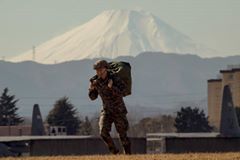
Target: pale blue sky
24	23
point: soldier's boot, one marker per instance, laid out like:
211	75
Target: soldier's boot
127	149
109	142
126	144
113	150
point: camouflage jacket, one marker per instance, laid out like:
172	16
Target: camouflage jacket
112	98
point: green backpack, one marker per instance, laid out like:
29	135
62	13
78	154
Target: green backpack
123	70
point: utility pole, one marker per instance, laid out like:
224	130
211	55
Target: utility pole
9	125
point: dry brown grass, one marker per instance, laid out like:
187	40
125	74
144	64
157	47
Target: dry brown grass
191	156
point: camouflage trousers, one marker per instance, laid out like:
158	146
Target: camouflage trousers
121	124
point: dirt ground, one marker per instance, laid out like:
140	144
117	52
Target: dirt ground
193	156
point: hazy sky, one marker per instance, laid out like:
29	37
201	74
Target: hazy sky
24	23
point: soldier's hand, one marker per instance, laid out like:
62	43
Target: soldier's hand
92	85
110	83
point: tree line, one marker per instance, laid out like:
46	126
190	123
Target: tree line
64	113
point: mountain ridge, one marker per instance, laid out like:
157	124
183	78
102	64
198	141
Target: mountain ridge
161	82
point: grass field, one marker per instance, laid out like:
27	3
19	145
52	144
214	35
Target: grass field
196	156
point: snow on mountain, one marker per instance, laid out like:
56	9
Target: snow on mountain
111	34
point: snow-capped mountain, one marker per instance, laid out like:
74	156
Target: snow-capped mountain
111	34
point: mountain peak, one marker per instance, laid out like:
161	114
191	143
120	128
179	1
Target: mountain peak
111	34
125	12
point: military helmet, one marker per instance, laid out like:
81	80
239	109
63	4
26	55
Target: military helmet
100	64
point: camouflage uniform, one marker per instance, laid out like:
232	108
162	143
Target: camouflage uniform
113	111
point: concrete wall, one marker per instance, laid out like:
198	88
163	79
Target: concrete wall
214	102
217	144
236	88
21	130
82	146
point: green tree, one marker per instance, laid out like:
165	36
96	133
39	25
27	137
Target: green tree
192	120
157	124
8	110
64	114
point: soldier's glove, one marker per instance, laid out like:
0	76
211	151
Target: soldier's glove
92	85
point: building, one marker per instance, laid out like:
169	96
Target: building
57	130
21	130
229	77
214	102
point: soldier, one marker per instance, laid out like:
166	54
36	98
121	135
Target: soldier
111	89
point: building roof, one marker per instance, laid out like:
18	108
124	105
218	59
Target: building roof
29	138
184	135
215	80
230	70
226	71
236	69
